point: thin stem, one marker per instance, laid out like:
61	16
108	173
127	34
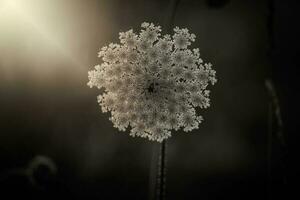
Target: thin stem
275	129
157	182
269	152
160	155
161	176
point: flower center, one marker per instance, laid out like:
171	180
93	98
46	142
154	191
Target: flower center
152	88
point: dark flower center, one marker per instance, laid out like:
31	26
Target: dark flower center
152	88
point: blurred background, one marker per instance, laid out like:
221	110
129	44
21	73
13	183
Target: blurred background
55	142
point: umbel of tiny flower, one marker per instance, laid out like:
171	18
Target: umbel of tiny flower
152	83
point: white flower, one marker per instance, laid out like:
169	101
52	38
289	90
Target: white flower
182	38
151	83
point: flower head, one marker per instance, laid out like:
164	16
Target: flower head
153	83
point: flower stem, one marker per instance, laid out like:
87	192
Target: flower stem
161	176
158	172
276	134
160	182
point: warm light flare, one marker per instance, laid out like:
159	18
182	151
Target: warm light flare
40	39
10	7
21	21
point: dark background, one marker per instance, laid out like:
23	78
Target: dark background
47	48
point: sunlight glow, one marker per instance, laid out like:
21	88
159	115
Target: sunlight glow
15	11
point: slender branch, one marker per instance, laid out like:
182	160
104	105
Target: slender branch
269	151
277	129
277	112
